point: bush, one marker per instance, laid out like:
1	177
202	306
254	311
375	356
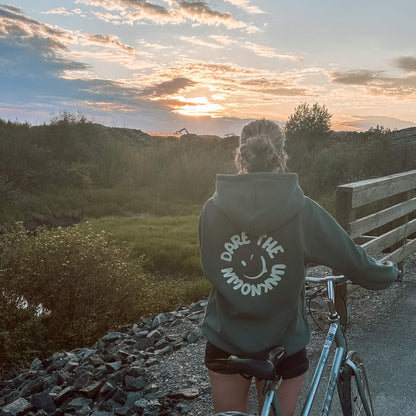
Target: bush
68	287
308	126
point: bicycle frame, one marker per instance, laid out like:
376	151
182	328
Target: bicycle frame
336	335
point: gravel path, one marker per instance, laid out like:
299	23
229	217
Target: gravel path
373	315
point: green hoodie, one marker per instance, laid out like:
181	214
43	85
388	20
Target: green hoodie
257	234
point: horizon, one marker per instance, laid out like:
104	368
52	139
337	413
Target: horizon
210	67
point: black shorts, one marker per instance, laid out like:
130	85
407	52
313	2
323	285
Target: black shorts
291	366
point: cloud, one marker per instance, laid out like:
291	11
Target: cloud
366	122
266	52
59	11
178	12
378	83
11	8
406	63
246	6
223	39
109	41
199	42
195	87
167	87
356	77
153	45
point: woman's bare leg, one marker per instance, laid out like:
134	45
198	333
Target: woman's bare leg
288	394
229	391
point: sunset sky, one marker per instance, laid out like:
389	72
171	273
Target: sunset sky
161	65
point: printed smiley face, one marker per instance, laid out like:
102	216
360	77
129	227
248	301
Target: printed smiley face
261	264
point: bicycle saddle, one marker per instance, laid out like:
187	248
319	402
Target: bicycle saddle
263	369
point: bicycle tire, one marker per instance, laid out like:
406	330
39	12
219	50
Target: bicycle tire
351	401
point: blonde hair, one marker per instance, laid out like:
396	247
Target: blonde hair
261	147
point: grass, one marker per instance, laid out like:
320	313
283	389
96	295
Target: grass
170	246
99	202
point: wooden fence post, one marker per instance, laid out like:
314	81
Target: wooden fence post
345	214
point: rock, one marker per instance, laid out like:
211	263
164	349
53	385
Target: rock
134	384
144	343
18	407
152	361
64	394
190	393
115	366
78	403
114	377
192	337
32	387
36	364
95	360
43	401
162	318
111	336
83	380
87	353
92	389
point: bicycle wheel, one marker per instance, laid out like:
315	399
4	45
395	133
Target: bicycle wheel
349	395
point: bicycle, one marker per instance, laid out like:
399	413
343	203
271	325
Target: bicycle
347	372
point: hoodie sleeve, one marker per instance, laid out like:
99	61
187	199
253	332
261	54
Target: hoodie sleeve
327	243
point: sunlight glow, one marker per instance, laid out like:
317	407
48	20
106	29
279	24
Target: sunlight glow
198	106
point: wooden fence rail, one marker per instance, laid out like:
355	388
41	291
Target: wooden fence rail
379	214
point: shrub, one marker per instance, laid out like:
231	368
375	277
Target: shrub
69	286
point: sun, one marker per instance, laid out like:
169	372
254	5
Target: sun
197	107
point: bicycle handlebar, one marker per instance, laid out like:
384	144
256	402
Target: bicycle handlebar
325	279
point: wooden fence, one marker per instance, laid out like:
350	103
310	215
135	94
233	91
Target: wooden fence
380	215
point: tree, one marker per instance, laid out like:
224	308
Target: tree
308	126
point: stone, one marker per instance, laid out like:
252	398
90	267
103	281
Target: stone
152	361
83	380
43	401
134	384
95	360
192	337
112	336
189	393
132	397
92	389
78	403
107	387
146	322
166	350
183	408
36	364
17	407
162	318
32	387
121	396
115	366
140	404
87	353
102	413
155	333
135	371
64	394
144	343
123	411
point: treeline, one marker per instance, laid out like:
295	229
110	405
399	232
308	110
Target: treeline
74	167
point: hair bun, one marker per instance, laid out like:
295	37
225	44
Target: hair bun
261	147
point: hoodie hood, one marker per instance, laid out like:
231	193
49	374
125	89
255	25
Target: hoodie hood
259	202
